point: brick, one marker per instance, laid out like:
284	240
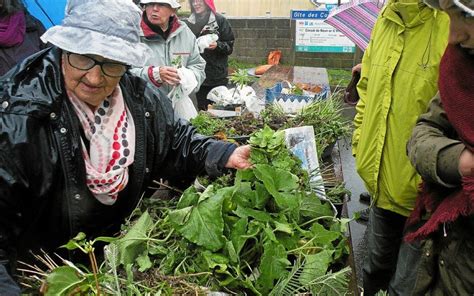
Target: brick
246	33
264	33
241	42
238	23
259	43
283	34
256	23
279	23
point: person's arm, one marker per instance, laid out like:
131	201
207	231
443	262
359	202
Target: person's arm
195	62
192	153
183	152
434	148
14	178
225	44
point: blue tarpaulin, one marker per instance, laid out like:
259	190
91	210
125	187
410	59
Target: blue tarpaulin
49	12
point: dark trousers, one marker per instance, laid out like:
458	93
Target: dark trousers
385	230
405	277
201	96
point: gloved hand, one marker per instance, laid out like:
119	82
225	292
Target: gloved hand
166	74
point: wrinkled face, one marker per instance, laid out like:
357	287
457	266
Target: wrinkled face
90	86
461	31
199	6
159	13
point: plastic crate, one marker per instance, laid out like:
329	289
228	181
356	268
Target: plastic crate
291	102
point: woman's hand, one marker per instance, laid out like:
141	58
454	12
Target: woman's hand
169	75
212	46
466	163
239	159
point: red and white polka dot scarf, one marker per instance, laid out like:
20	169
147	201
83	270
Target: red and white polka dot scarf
111	132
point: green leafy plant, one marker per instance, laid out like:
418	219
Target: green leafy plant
241	78
208	125
336	193
327	120
242	237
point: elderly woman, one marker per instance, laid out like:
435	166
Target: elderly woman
19	34
204	20
442	150
170	40
81	139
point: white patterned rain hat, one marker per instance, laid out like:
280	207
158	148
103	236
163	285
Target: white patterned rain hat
108	28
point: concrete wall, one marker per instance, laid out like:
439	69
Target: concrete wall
256	37
246	8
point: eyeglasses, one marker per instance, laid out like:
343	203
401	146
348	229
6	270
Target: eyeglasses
84	63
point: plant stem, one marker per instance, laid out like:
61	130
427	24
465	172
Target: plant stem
94	270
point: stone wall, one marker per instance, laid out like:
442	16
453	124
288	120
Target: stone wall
255	37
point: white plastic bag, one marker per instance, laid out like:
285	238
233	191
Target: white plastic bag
182	105
203	42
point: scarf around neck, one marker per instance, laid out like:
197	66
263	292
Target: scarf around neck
12	29
456	89
111	133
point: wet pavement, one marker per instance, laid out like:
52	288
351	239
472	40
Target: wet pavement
356	186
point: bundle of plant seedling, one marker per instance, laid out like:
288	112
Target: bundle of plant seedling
324	115
265	233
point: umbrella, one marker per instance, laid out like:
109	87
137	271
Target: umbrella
49	12
356	20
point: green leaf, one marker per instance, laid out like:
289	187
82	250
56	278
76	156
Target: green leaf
76	242
134	242
243	176
283	227
269	234
257	215
315	266
233	256
279	183
244	195
261	196
238	233
62	280
258	156
276	180
181	216
205	224
323	236
190	197
80	236
106	239
312	207
273	265
144	262
215	262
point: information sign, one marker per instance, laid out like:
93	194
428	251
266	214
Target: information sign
313	35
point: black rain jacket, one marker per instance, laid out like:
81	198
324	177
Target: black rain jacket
44	200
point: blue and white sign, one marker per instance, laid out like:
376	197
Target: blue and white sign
314	35
309	14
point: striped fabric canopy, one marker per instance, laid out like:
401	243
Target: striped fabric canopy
356	20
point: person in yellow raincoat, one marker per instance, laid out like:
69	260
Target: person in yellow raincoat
398	78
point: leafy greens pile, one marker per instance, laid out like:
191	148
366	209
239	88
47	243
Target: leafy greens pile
267	234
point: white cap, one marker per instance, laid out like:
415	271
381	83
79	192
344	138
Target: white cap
172	3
